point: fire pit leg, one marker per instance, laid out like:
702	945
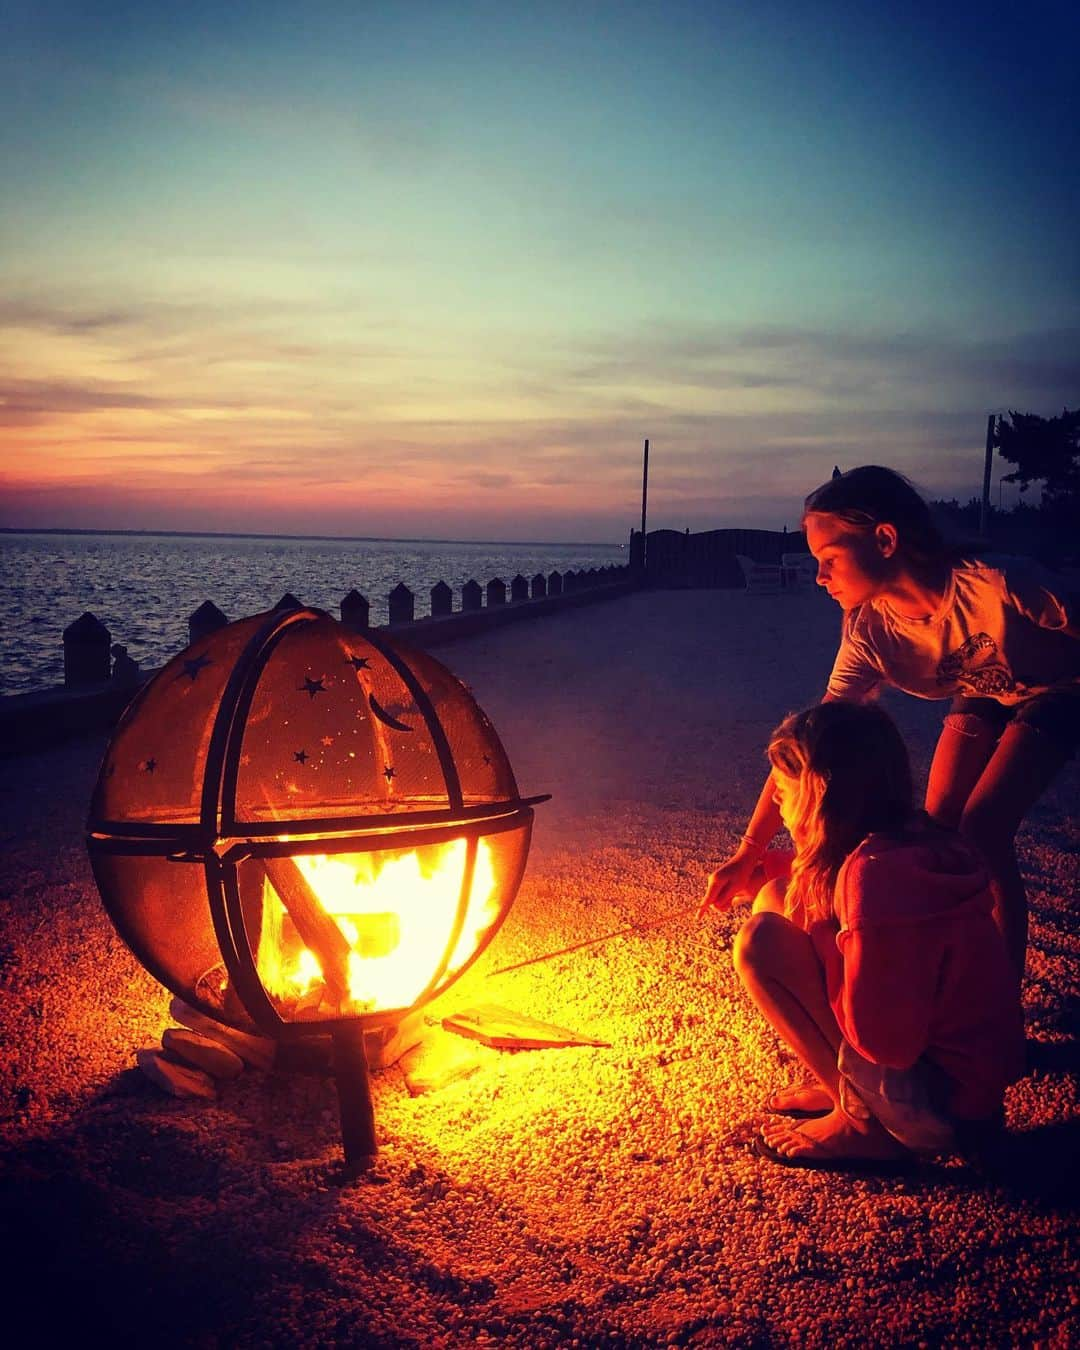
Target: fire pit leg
354	1098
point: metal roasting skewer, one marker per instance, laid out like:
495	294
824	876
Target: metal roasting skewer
680	913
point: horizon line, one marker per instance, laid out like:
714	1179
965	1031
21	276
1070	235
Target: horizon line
326	538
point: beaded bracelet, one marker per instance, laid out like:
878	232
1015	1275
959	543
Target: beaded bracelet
755	844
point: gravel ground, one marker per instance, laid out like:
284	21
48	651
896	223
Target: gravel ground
570	1197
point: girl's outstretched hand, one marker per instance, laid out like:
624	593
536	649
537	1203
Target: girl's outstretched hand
732	880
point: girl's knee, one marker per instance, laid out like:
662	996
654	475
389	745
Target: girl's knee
755	943
770	899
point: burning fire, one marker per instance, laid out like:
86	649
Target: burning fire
395	914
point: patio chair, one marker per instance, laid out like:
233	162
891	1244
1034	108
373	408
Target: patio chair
760	578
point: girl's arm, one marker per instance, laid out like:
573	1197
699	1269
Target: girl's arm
733	875
1043	597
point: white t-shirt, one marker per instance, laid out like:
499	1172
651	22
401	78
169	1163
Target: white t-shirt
1005	629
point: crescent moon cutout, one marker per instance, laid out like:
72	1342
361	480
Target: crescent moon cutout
385	717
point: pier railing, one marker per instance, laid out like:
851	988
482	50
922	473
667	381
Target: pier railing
100	676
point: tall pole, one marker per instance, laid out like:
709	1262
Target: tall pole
984	513
644	487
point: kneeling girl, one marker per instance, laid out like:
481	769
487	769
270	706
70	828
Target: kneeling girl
876	956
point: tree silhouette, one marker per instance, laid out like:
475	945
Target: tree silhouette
1045	450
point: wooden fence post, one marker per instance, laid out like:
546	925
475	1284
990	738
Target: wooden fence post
519	589
539	586
355	612
206	619
555	583
401	604
442	600
472	597
496	592
288	601
86	652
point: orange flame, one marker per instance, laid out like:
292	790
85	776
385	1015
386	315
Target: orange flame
396	912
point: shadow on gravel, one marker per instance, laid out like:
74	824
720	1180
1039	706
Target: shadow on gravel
1040	1166
1053	1056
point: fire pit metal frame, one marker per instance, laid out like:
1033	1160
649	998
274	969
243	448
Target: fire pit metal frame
220	842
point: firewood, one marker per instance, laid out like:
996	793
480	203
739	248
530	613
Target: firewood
258	1051
504	1029
437	1062
317	929
202	1052
177	1079
387	1045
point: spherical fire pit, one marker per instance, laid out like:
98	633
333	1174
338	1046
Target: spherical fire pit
302	830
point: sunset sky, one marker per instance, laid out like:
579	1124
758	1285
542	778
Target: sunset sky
417	269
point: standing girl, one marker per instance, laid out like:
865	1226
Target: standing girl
877	958
999	637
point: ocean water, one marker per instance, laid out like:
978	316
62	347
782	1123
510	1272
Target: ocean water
144	587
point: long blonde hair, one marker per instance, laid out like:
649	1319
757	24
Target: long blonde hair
849	776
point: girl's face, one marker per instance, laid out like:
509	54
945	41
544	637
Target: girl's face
853	564
785	795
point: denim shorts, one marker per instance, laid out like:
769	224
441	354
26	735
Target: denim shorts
1055	713
909	1103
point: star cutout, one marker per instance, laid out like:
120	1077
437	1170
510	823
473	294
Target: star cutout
194	666
300	756
327	742
389	772
312	687
149	765
358	662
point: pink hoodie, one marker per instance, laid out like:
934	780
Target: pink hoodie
918	967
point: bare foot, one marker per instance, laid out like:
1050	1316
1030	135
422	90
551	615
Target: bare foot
802	1099
830	1138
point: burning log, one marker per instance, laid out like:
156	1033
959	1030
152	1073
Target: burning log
317	929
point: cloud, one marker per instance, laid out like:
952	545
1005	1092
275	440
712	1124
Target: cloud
51	317
846	365
333	409
24	401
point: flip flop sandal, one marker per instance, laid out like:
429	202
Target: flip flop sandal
774	1107
824	1162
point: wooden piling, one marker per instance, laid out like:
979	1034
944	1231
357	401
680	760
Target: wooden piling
401	604
86	652
442	600
355	612
205	620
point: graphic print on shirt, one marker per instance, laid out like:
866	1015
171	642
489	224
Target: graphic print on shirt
976	668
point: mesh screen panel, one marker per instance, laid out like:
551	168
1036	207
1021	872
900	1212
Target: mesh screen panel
323	725
483	768
334	731
506	856
153	770
162	912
